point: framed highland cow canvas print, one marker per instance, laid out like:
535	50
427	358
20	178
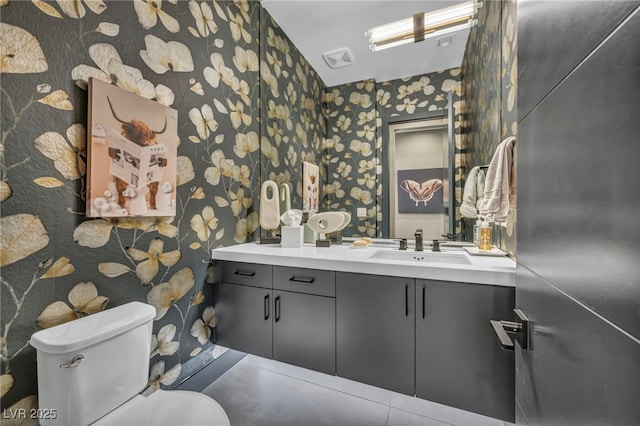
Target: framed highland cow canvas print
310	187
132	154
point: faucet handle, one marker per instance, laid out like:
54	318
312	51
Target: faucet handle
435	245
403	244
418	231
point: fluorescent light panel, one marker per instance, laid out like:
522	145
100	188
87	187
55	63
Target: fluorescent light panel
436	23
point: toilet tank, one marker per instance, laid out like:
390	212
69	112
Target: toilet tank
115	345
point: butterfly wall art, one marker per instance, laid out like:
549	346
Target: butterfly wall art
421	190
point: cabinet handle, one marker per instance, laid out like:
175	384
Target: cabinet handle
245	273
277	303
306	280
423	301
266	307
406	300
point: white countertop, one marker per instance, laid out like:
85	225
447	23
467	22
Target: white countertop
481	269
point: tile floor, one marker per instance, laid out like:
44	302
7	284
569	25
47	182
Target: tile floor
259	391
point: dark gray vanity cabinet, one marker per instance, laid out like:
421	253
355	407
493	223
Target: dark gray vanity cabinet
458	359
279	312
246	311
375	335
419	337
304	318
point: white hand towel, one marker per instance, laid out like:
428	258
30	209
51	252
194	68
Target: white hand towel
470	195
480	189
497	190
513	186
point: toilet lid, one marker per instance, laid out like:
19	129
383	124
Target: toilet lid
168	408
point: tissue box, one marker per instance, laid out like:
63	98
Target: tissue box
291	236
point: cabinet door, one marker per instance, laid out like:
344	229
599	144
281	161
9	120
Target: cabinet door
304	330
375	326
458	360
245	319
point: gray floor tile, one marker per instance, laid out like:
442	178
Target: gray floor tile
441	412
260	391
403	418
255	396
361	390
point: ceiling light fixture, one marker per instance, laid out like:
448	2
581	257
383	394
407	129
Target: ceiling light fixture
423	25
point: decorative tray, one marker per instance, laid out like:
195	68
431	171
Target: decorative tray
476	251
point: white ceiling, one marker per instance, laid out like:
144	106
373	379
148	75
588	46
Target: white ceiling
317	26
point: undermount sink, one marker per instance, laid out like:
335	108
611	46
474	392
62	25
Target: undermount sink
457	258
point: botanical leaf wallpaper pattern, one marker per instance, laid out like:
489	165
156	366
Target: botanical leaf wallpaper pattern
200	57
293	120
481	83
489	84
350	154
353	150
509	103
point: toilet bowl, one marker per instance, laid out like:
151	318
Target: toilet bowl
167	408
91	371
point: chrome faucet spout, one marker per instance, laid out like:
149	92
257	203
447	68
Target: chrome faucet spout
418	238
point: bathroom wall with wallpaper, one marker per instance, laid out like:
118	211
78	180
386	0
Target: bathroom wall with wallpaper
293	119
349	154
201	58
354	146
489	86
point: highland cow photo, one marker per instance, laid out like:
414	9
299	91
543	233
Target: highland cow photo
132	154
310	187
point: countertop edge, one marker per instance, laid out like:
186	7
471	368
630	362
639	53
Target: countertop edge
498	275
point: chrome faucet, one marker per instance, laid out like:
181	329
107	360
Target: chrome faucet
435	245
403	244
418	237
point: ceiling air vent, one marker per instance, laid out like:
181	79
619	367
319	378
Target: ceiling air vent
338	58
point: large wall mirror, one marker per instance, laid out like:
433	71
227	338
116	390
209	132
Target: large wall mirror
345	129
418	175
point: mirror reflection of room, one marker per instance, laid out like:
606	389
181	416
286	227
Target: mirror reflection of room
419	185
348	136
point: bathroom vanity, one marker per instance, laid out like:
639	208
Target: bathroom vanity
412	322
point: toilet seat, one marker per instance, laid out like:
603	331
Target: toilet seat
167	408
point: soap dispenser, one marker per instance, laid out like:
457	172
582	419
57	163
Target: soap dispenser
476	230
484	237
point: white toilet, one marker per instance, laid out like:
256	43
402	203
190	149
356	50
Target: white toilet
91	371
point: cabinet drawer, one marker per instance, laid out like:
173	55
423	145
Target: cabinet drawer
247	274
307	281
